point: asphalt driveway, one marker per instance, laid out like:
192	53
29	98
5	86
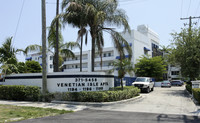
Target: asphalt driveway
174	100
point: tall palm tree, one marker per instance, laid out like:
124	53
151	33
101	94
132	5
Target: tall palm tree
98	14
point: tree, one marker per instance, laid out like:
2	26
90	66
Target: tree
186	52
8	52
98	14
150	67
65	49
22	68
33	67
123	66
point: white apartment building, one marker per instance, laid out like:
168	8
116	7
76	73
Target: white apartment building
142	42
38	57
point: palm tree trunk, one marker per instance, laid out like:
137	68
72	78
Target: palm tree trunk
81	53
93	48
122	84
57	41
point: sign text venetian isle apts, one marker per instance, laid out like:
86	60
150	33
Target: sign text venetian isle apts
84	84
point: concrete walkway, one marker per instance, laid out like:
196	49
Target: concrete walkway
45	105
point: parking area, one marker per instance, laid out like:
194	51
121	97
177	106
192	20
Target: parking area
174	100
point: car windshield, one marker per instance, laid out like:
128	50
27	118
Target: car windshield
141	80
165	82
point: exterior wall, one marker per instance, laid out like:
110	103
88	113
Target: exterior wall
38	57
65	82
174	69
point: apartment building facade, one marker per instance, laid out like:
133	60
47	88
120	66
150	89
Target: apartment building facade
38	57
142	41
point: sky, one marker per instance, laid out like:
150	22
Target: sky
21	19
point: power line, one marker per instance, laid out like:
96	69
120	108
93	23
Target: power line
189	8
181	7
18	20
197	8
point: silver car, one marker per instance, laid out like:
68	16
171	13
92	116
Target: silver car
166	84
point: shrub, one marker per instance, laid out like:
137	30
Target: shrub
189	88
196	94
114	94
19	92
33	67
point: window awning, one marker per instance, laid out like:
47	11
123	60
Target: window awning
28	58
146	49
126	56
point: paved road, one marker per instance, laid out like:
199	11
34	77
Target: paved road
173	100
100	116
164	105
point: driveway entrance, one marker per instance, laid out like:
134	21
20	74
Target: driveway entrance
174	100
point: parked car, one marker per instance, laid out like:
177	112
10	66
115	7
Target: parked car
176	83
166	84
144	83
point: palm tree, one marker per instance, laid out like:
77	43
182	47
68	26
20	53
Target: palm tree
98	14
81	33
8	52
65	49
123	66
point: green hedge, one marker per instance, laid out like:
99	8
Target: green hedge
189	88
196	94
19	92
99	96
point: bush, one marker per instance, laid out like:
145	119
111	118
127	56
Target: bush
19	92
114	94
196	94
33	67
189	88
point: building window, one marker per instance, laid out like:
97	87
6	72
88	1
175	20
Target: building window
145	52
51	57
175	73
51	66
109	54
104	55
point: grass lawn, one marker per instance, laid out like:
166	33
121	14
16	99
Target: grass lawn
10	113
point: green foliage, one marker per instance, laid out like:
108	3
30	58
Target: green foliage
33	67
196	94
22	68
123	66
150	67
99	96
19	92
9	68
8	52
189	88
97	14
186	52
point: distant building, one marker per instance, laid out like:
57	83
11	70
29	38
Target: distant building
38	57
174	72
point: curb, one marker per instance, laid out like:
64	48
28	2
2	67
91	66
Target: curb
97	103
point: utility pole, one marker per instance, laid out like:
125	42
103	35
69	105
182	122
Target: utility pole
190	21
57	40
44	70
